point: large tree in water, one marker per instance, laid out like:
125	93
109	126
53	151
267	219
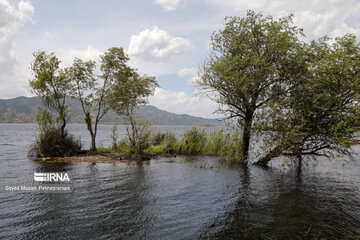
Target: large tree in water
254	61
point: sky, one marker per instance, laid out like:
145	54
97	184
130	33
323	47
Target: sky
168	39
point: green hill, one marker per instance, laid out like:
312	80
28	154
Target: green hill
24	109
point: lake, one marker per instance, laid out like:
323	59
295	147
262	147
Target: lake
176	198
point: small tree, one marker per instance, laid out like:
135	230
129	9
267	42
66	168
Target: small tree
93	92
253	62
129	91
52	84
320	114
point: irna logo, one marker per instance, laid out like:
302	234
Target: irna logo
51	177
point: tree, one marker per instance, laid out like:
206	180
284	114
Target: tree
93	92
320	114
52	84
252	63
129	91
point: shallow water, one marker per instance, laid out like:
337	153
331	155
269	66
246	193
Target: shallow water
177	198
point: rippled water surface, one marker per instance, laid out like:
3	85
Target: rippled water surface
177	198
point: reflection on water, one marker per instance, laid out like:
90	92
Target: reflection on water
178	198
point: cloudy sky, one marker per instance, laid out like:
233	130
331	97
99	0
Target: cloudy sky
168	39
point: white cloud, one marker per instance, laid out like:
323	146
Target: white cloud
25	11
185	72
14	75
49	35
237	5
168	5
191	74
67	56
317	18
156	45
180	103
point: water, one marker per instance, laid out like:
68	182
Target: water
177	198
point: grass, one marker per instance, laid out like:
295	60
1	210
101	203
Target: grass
122	147
194	141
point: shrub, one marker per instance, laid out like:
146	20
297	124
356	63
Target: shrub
51	143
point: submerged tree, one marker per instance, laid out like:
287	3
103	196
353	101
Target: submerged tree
320	114
254	61
52	84
129	91
93	93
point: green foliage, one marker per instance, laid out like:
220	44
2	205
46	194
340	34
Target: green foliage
193	141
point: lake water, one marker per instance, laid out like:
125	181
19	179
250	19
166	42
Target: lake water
177	198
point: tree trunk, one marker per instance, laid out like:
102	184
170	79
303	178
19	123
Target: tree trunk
246	137
93	143
262	162
93	137
62	128
90	129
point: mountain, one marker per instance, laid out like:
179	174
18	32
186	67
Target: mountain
24	110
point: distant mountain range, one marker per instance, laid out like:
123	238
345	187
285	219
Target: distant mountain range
24	110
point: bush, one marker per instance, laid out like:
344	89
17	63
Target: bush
193	141
50	143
